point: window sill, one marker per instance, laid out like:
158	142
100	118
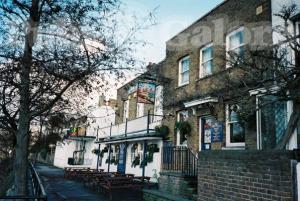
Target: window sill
183	85
234	148
205	77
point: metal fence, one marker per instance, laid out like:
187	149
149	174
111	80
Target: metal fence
179	159
38	190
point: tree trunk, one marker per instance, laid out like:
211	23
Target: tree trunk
21	158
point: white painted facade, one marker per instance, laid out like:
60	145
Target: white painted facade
102	116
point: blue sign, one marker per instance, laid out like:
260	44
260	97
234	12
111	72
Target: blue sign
217	132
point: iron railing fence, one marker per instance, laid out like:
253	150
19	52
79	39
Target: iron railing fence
38	190
179	159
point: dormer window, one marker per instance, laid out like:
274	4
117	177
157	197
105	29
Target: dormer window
235	45
184	71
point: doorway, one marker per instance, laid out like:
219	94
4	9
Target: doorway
205	132
122	159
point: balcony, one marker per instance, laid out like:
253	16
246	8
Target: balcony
143	127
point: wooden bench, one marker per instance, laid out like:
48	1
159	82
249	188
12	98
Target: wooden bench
114	183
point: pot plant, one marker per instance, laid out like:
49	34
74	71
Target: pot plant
184	128
162	130
136	161
96	152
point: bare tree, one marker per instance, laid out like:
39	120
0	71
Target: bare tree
51	47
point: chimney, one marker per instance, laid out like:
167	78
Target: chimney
150	64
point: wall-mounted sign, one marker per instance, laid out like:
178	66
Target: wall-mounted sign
146	93
81	131
217	132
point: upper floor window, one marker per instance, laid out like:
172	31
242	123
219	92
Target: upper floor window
235	45
206	60
140	110
184	71
235	131
126	110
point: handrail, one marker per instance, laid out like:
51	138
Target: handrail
180	159
36	181
39	193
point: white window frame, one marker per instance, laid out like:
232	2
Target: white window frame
228	141
126	110
289	108
210	45
140	110
180	83
185	112
240	29
297	24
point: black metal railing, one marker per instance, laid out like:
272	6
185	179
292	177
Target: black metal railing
179	159
38	191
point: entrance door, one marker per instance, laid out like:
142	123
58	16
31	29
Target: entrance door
205	132
122	159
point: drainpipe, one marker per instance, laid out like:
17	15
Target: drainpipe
109	148
145	142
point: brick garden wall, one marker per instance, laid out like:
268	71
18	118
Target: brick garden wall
245	175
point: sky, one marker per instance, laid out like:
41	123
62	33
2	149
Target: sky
172	16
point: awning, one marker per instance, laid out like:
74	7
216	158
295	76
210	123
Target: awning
131	137
296	17
201	101
82	138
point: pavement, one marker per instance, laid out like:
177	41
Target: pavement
60	189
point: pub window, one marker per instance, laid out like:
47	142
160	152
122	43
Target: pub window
181	116
272	121
235	128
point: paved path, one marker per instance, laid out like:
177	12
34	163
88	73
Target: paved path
60	189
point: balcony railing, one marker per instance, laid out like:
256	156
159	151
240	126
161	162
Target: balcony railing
142	126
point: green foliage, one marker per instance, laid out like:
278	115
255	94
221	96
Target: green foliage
183	127
6	175
153	148
136	161
162	130
43	143
97	152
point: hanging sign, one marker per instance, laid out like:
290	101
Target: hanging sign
72	132
146	93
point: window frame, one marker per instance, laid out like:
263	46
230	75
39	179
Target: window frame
289	110
297	27
228	122
210	45
240	29
140	110
185	112
125	110
297	31
180	83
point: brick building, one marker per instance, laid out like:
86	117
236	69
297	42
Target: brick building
236	158
197	69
